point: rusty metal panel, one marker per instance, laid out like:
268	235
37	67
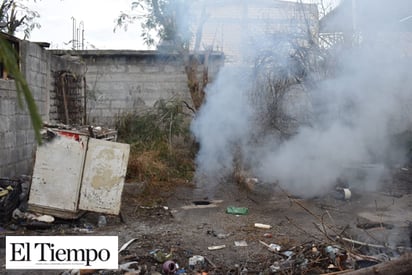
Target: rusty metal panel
57	173
103	176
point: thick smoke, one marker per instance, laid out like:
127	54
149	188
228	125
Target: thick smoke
223	124
359	115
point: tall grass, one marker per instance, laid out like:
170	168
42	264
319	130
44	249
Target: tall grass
162	148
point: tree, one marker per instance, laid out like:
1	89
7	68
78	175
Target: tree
15	16
171	23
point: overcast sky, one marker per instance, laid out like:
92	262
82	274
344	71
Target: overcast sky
98	17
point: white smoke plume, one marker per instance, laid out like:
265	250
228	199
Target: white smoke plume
358	116
223	123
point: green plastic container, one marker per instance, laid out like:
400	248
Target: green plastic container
237	210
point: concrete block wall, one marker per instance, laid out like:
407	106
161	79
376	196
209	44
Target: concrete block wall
121	82
39	67
35	65
17	140
16	137
118	82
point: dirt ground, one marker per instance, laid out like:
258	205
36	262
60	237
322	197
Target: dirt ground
190	220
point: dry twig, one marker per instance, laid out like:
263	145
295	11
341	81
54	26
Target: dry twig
362	243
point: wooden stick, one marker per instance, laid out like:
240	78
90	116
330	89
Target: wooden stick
210	262
362	243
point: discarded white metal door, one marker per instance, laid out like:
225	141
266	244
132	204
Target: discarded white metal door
103	176
74	173
57	174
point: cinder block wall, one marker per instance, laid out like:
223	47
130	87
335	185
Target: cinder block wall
117	82
13	132
125	82
17	140
121	82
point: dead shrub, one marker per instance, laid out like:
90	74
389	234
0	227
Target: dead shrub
146	166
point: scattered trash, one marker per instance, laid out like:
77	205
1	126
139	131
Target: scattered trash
336	254
263	226
251	183
347	193
19	215
331	266
170	267
288	254
272	247
45	218
274	268
240	243
126	245
181	271
267	235
237	210
216	247
343	193
331	251
5	191
252	180
130	266
101	221
98	132
160	256
222	235
196	260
